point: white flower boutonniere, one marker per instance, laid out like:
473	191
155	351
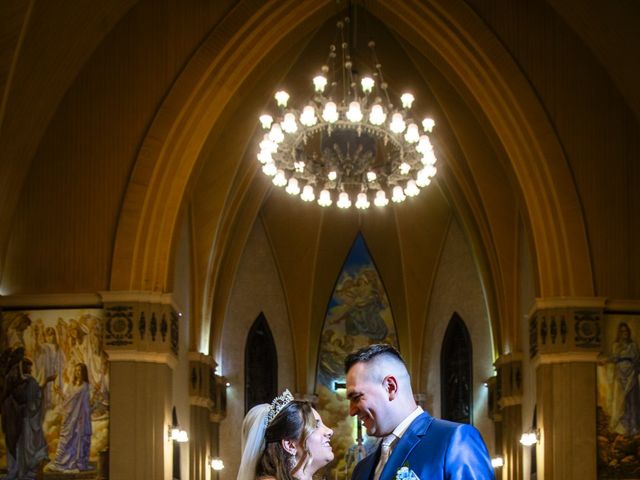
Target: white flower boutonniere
405	473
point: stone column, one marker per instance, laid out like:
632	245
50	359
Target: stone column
207	396
141	340
509	404
201	369
495	414
565	339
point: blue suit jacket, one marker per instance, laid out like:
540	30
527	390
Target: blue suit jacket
434	450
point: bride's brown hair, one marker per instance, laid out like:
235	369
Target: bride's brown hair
294	422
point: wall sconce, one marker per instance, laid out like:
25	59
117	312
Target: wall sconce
530	438
177	434
497	462
216	463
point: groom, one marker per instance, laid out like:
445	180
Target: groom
379	393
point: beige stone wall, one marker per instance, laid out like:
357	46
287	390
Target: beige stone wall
457	288
256	289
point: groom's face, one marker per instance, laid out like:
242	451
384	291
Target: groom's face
368	400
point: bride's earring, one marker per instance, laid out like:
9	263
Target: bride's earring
291	461
290	450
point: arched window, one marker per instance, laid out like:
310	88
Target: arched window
456	372
260	365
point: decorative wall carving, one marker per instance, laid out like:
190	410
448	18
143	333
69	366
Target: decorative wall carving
154	331
119	326
207	389
508	380
549	331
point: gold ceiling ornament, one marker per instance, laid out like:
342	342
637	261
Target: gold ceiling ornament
349	143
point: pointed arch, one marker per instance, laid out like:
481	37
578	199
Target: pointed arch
260	364
456	372
476	61
358	313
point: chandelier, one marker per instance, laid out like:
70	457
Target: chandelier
349	143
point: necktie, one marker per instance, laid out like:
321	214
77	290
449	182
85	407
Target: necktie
385	452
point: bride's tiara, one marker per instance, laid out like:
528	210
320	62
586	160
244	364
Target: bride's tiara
278	404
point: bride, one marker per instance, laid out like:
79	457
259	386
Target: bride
284	441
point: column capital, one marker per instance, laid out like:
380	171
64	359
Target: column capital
206	388
566	329
508	384
141	326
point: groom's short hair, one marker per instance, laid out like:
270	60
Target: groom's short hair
375	351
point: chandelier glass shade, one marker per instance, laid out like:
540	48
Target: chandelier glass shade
349	144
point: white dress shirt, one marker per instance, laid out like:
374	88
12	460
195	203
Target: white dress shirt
391	440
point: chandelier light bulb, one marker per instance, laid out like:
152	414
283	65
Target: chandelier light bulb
413	134
371	176
289	124
429	158
422	179
424	144
267	145
343	200
330	112
404	168
431	170
292	186
411	190
269	169
354	114
407	100
266	121
428	124
325	198
362	202
319	82
298	166
282	98
308	117
275	134
397	124
307	194
377	115
398	195
381	199
332	175
367	84
264	156
279	180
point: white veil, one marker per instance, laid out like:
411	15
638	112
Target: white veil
254	426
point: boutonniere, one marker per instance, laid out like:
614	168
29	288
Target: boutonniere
405	473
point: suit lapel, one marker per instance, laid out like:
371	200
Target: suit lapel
404	446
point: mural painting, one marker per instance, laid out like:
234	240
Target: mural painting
358	314
54	389
618	411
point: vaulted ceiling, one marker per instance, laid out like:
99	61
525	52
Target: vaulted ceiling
120	120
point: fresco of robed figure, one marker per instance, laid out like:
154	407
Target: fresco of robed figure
70	373
619	400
